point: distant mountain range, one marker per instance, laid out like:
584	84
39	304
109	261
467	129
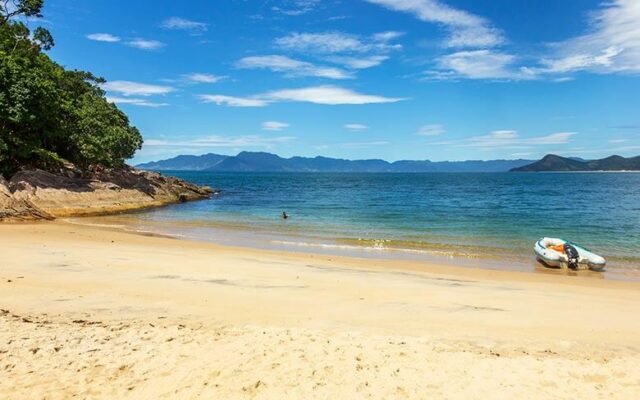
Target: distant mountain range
186	163
267	162
554	163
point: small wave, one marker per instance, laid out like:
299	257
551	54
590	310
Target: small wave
379	246
435	248
505	251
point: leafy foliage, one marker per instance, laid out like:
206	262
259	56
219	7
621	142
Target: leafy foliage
49	114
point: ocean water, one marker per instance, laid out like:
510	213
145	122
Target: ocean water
491	217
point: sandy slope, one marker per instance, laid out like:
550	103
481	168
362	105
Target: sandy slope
101	314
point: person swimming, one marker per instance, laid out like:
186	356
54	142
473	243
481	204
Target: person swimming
285	215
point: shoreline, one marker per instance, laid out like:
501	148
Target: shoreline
362	264
262	238
96	312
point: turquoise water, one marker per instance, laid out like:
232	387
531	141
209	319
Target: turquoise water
459	215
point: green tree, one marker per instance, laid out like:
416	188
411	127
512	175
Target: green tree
13	8
49	114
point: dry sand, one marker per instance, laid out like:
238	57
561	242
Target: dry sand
94	313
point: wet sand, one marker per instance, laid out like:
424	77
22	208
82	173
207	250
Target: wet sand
97	313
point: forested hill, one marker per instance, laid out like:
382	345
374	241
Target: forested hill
554	163
51	116
63	146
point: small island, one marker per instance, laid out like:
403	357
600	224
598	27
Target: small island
554	163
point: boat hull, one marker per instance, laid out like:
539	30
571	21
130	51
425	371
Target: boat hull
552	258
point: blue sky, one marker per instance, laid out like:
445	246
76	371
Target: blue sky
392	79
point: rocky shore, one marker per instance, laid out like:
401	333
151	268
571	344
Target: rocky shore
37	194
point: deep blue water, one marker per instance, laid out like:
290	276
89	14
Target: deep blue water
461	214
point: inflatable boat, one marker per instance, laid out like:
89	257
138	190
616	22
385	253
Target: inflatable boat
563	254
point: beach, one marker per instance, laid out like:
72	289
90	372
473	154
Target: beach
89	312
306	199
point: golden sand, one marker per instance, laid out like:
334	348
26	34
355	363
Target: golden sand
96	313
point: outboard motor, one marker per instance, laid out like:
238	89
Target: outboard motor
572	256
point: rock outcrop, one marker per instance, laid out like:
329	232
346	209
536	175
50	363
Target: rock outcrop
17	207
37	194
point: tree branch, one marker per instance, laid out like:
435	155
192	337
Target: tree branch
5	18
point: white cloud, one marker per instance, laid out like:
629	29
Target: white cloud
387	36
274	125
356	127
222	141
431	130
474	37
503	134
351	51
476	64
330	95
203	78
501	138
563	79
334	43
327	94
359	62
144	44
576	62
128	88
135	102
522	154
297	7
103	37
231	101
554	138
291	67
612	44
495	137
509	139
241	141
465	29
183	24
